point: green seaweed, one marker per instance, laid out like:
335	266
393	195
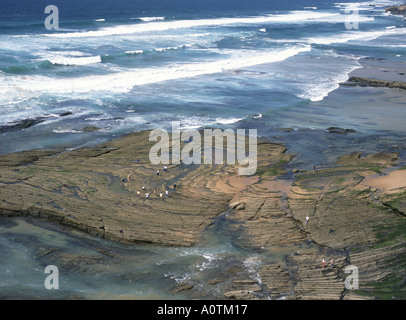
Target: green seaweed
275	169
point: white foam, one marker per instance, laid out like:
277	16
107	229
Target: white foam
345	37
189	123
148	19
126	80
390	45
134	52
319	88
291	17
65	53
75	61
371	4
106	118
65	131
100	20
182	278
228	121
353	35
68	58
210	259
172	48
262	30
253	264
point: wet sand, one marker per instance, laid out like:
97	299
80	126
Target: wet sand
381	70
391	182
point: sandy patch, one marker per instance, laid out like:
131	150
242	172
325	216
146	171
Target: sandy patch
235	184
278	185
390	182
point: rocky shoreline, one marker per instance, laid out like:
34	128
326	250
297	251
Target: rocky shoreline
90	189
344	218
356	209
397	10
352	218
378	73
288	232
367	82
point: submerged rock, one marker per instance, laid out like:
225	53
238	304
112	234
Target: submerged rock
90	129
20	125
356	158
183	287
340	130
64	114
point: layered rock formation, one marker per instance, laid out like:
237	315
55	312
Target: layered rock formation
356	213
91	189
367	82
348	223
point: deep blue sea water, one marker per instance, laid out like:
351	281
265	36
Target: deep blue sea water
125	66
132	65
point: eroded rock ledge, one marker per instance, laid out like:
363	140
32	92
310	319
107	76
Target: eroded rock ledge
356	216
350	221
84	189
367	82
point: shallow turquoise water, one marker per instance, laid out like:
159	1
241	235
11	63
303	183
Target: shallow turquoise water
93	268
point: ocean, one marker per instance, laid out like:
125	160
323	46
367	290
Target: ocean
134	65
124	66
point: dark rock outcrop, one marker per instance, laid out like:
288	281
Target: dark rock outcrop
340	130
90	129
367	82
397	10
20	125
64	114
